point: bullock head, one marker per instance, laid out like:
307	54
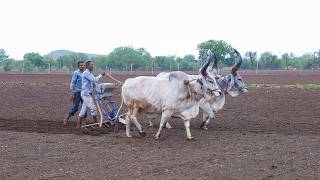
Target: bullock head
234	82
208	81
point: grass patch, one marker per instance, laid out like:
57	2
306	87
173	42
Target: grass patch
277	86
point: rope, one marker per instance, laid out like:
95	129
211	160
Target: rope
121	83
114	78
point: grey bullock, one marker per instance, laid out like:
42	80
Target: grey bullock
231	84
175	96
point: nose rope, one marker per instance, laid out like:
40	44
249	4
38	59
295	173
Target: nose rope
187	83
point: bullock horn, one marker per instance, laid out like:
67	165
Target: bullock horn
215	62
237	64
203	69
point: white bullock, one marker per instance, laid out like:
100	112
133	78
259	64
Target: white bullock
173	96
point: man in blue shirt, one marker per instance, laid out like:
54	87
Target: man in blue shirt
89	82
75	86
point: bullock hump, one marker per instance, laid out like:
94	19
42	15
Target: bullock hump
178	75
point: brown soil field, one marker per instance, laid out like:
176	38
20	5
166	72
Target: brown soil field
264	134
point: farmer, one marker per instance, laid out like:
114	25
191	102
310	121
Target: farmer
88	86
75	86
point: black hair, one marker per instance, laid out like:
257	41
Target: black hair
79	62
87	63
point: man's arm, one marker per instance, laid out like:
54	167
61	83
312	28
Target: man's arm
97	78
91	78
73	80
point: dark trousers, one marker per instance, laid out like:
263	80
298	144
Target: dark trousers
75	103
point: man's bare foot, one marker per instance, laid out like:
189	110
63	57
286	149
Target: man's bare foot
79	122
65	121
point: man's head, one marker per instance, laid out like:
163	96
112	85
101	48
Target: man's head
89	65
81	65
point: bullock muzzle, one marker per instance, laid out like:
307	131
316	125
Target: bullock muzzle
215	92
245	90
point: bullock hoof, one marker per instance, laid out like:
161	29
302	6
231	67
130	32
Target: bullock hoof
156	137
143	134
204	127
191	138
168	126
129	136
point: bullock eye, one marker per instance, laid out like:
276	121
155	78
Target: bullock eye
240	79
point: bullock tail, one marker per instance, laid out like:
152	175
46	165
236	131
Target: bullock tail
120	105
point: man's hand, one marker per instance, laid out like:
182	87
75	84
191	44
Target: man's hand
71	97
103	74
118	84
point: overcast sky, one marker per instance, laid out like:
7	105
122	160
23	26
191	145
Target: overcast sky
162	27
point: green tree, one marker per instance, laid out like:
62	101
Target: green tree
3	55
223	51
317	58
286	58
35	58
188	63
124	57
266	59
102	62
8	64
71	61
27	65
166	62
252	57
50	62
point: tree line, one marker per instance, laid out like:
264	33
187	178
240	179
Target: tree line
129	58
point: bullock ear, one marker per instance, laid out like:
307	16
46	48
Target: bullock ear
234	70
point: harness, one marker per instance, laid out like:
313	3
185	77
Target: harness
199	80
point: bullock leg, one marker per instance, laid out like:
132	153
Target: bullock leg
208	113
135	121
128	119
205	121
164	119
150	124
187	126
168	125
128	126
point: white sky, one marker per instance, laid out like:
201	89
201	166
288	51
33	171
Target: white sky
162	27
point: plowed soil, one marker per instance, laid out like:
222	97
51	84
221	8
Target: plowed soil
265	134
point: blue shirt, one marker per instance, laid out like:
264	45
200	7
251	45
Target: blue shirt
76	81
89	82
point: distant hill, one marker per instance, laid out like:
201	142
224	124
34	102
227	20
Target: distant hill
58	53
